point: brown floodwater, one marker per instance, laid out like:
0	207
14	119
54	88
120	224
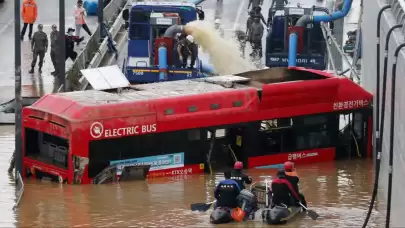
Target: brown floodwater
338	191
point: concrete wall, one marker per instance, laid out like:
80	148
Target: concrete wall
389	18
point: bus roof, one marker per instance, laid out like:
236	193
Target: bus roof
294	91
170	4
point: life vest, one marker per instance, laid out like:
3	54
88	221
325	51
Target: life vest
292	173
284	181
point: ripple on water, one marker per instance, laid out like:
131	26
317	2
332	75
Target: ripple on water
7	191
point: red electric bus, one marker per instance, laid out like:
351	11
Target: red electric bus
266	117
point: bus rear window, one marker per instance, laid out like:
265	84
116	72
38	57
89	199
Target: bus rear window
46	148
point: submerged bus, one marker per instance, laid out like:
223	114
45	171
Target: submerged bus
266	118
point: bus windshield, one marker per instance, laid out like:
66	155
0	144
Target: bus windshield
46	148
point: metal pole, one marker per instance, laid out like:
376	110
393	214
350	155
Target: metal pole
62	66
17	71
101	18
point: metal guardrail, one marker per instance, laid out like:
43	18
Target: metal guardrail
98	57
20	192
112	9
330	37
84	58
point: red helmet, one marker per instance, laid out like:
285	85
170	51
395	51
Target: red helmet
238	165
288	166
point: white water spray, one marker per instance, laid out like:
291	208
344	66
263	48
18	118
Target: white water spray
223	53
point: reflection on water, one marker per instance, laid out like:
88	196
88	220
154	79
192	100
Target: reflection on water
339	192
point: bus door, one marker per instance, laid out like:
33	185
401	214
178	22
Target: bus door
231	144
218	155
354	135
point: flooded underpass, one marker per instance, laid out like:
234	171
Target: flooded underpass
338	191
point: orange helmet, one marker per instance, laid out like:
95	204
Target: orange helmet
288	166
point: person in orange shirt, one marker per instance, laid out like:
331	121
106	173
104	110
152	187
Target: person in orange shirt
80	14
29	14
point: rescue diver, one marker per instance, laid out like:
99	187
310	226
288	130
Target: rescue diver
293	178
186	48
283	192
219	28
226	192
240	177
257	12
255	37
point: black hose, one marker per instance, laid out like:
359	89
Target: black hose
377	122
378	70
391	142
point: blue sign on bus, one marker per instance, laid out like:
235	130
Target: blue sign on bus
160	162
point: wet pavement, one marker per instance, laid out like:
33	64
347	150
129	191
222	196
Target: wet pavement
33	84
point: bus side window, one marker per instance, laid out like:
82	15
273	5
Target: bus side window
272	142
314	131
313	139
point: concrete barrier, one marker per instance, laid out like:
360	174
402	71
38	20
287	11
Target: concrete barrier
92	48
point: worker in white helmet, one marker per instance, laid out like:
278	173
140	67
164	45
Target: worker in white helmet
219	28
187	48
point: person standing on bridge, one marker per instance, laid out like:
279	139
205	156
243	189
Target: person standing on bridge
80	14
29	14
55	48
39	46
70	44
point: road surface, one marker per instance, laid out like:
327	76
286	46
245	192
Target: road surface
33	85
